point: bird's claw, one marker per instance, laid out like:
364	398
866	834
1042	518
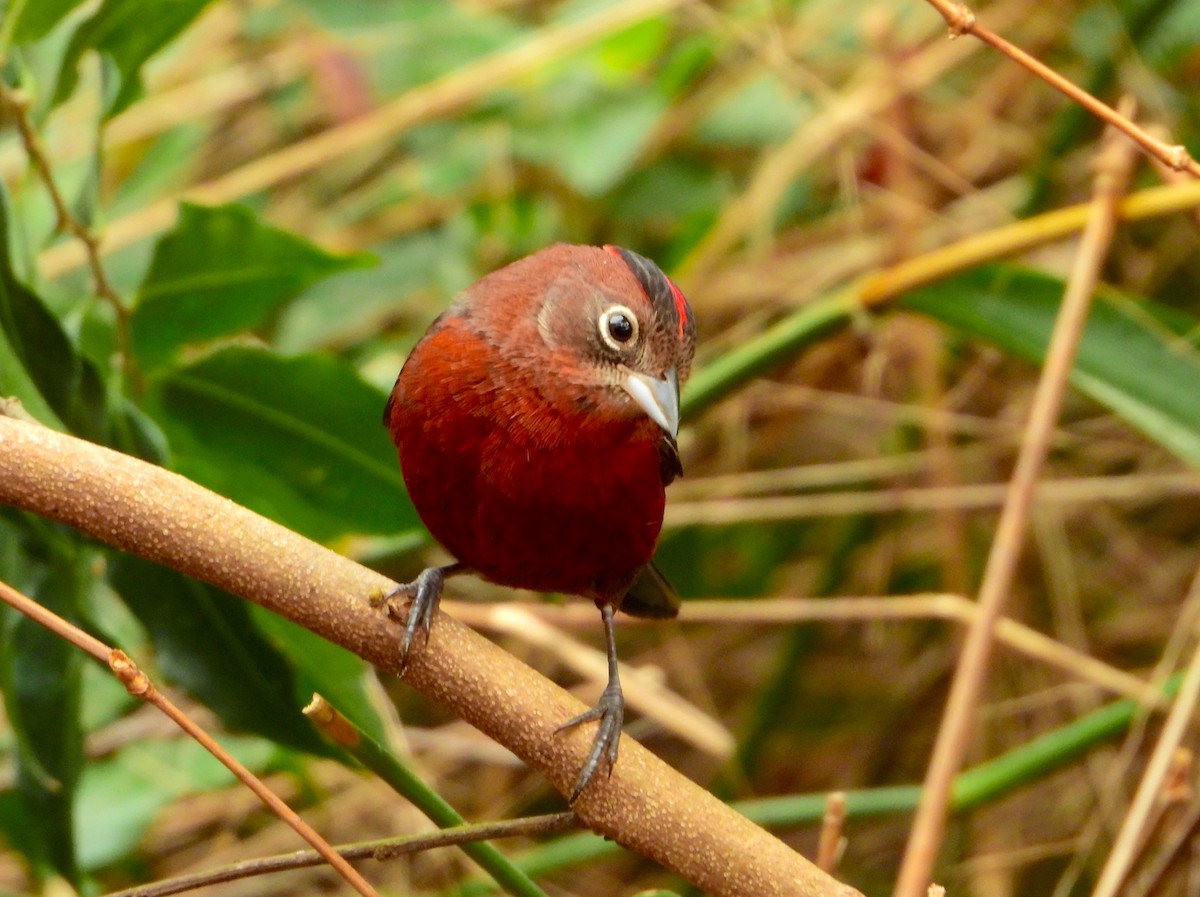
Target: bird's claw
610	711
425	592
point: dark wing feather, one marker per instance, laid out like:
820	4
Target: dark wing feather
669	465
651	596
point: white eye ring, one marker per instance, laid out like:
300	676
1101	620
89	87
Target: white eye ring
618	327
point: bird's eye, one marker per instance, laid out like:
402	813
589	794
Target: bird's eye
618	327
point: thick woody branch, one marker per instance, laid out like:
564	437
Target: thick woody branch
645	805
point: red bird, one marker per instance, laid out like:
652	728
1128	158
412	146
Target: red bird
536	424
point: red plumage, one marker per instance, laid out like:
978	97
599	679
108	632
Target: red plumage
535	427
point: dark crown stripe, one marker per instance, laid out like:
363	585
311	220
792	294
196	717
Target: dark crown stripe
662	293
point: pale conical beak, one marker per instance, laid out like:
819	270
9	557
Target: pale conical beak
658	398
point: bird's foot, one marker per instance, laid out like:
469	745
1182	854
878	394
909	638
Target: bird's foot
610	711
423	595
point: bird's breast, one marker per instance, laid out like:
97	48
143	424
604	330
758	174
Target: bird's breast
529	492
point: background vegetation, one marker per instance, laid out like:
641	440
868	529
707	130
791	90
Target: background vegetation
290	190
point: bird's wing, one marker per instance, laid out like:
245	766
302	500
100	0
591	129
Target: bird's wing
669	465
651	596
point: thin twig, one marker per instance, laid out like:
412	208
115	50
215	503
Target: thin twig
1168	174
16	101
1113	164
832	840
384	849
139	685
961	20
11	406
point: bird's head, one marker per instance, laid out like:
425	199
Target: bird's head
628	328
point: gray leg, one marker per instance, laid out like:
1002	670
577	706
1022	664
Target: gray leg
610	710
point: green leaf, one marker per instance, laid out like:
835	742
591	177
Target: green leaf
730	561
596	147
412	42
206	642
1133	357
763	111
220	272
162	165
120	796
40	675
411	269
126	33
15	382
395	772
16	828
37	17
633	50
38	356
1162	31
297	439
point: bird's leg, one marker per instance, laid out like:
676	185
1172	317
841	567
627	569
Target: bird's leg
610	710
425	592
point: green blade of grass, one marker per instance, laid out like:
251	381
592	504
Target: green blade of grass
1135	356
375	757
777	344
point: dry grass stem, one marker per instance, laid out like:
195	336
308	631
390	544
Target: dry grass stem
209	95
1172	853
789	611
884	286
832	841
1113	164
1111	793
793	397
442	96
1150	790
1134	488
806	476
139	685
643	692
813	142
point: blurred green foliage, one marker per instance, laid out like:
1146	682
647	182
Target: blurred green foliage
255	336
